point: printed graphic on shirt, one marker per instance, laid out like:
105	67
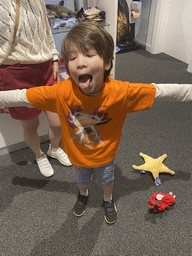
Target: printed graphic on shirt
84	126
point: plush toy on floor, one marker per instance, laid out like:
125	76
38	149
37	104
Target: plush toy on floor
155	166
159	201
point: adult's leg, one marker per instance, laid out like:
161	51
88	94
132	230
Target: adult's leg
31	136
55	136
54	129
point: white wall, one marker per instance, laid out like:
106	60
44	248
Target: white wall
170	29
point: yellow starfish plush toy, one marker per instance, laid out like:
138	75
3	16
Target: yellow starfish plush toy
155	166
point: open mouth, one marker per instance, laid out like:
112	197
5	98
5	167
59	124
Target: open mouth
85	80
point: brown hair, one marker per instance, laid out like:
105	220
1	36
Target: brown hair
89	34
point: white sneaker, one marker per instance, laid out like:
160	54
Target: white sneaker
60	155
44	166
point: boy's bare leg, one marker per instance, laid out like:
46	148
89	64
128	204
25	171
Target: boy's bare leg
83	190
108	190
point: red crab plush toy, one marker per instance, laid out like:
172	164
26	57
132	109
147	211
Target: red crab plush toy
159	201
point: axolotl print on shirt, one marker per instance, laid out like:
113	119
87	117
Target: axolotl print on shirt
84	125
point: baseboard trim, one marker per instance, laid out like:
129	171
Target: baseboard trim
189	69
19	146
143	45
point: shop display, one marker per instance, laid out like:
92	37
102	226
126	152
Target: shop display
128	14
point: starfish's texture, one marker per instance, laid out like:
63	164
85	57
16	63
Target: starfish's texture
155	166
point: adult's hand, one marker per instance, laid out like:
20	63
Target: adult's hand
4	111
56	71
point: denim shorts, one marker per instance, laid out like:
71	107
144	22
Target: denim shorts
104	174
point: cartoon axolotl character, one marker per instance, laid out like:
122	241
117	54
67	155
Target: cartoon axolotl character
84	125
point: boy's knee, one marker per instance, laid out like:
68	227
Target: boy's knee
82	177
105	175
105	182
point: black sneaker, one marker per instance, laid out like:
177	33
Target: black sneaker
79	206
110	211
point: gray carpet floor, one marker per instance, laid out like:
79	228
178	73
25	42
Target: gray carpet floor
36	213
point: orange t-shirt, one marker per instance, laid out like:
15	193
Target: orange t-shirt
91	127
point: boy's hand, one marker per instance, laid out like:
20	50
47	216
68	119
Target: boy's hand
56	71
4	111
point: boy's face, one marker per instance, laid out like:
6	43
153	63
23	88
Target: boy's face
87	70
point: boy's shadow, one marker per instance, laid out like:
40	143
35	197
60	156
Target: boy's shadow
19	179
70	239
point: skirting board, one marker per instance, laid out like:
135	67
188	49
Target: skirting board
141	43
190	68
19	146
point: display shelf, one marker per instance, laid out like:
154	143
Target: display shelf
67	29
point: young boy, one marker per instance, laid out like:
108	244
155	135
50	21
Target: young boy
92	108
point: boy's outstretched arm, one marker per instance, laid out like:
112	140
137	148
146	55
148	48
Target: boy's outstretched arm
173	92
14	98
